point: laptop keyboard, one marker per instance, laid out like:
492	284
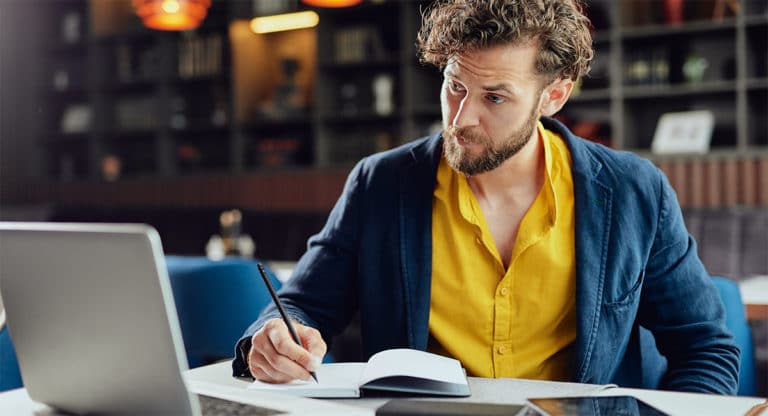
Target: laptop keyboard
212	406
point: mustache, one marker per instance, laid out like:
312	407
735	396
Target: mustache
466	134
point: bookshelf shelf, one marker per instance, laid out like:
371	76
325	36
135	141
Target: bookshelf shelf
68	94
185	81
134	86
271	123
757	83
658	91
385	63
358	118
133	35
128	134
200	128
756	20
601	37
57	137
591	95
655	31
77	49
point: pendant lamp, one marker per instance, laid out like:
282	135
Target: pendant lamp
171	14
331	3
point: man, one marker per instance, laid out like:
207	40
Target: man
505	241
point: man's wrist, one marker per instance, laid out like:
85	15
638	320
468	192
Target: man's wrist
242	349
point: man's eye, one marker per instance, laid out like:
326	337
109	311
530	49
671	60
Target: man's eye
495	99
456	87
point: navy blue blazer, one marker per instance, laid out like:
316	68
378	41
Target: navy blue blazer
648	314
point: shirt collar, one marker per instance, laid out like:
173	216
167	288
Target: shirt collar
448	178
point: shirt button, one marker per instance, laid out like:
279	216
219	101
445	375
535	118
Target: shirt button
504	291
502	349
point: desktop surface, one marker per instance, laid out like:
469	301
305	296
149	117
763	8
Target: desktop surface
508	391
216	380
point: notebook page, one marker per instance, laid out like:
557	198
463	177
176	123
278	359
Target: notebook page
413	363
333	380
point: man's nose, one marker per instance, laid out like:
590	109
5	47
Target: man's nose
466	115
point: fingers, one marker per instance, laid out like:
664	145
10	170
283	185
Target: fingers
276	358
314	344
268	365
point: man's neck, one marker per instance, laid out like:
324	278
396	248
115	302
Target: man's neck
517	180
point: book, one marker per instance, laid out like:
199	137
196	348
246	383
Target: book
405	407
748	182
397	370
730	182
680	181
714	193
762	179
696	182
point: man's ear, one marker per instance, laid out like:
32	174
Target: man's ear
554	96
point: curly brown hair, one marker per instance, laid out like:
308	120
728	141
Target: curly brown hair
451	27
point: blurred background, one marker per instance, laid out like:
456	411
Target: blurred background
105	118
177	112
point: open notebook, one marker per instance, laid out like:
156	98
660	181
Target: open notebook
396	370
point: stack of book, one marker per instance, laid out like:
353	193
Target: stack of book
200	55
718	182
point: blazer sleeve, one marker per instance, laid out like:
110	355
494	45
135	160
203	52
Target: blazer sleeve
321	292
683	309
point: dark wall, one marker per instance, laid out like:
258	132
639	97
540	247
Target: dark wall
21	64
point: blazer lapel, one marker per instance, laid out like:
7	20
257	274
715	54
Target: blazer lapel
593	204
417	182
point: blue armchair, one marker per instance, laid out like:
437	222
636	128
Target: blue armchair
215	302
736	321
10	378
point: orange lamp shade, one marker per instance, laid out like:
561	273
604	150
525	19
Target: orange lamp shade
171	14
331	3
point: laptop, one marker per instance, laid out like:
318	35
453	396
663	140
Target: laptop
91	313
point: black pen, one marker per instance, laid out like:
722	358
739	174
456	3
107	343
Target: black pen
279	305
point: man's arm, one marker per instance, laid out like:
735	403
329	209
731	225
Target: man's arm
321	293
243	346
683	309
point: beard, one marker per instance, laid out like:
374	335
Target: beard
460	159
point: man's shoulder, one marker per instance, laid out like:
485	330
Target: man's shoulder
618	162
620	170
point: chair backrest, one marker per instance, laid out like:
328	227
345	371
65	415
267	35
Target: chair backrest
10	377
736	321
216	301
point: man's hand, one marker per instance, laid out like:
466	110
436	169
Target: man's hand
275	358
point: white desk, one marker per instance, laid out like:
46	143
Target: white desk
754	293
216	380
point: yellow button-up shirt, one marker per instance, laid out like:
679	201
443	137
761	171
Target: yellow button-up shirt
513	322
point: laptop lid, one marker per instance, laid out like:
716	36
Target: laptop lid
91	313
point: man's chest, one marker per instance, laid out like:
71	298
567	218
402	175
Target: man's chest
504	225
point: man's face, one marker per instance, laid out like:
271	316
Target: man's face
490	103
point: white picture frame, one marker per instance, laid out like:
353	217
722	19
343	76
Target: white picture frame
683	132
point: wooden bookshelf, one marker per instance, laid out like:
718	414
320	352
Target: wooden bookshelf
107	67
